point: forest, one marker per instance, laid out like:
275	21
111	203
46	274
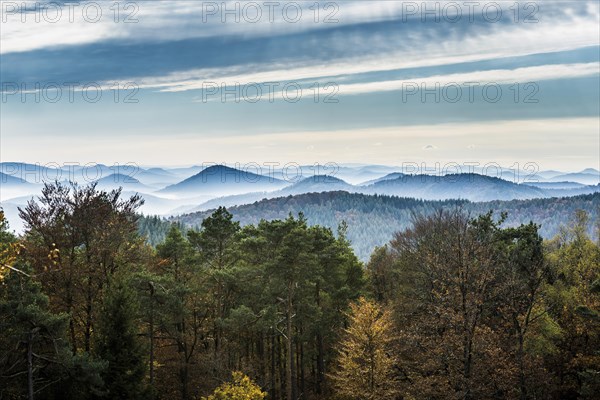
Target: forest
457	305
373	219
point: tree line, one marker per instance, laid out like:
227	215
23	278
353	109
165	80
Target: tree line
454	307
373	219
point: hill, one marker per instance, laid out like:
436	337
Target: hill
314	184
220	180
472	187
588	177
9	180
373	219
388	177
556	185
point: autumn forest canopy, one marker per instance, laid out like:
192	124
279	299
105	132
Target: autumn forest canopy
458	305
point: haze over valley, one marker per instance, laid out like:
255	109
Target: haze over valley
189	194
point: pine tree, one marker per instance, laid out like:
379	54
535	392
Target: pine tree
117	342
186	304
215	246
365	368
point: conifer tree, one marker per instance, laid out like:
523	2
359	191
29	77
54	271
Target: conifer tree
118	343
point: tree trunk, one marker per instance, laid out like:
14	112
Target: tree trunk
289	347
522	382
73	335
320	352
152	337
467	367
281	367
88	316
301	367
183	379
30	366
272	391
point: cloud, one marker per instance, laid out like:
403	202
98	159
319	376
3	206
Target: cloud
504	76
419	51
68	24
369	37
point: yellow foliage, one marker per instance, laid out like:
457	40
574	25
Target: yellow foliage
241	388
365	366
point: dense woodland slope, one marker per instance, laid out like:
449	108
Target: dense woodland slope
373	219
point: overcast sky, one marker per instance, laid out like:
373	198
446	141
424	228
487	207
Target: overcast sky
514	84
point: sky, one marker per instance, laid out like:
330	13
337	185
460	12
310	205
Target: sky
383	82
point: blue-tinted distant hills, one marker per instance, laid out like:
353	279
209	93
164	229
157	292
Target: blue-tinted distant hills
388	177
556	185
220	180
317	183
11	180
124	181
314	184
588	177
173	191
473	187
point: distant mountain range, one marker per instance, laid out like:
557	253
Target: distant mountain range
355	174
174	191
471	187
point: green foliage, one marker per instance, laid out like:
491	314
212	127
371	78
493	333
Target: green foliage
574	305
34	350
373	219
154	229
79	237
117	342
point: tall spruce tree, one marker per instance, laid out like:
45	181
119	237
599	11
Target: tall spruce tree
186	304
118	343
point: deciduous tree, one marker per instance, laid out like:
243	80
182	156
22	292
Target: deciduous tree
365	367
